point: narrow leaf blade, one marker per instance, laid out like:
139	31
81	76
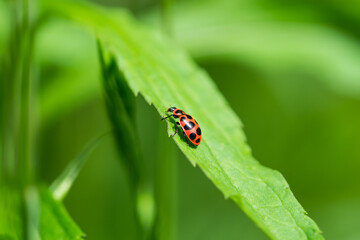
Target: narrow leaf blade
55	222
11	212
46	218
63	183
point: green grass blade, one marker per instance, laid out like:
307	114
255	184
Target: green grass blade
32	203
63	183
166	76
46	218
55	222
11	214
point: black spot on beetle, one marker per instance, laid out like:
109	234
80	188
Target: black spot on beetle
179	112
182	119
192	136
197	141
188	116
198	131
189	126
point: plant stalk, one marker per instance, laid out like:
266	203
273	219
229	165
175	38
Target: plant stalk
166	190
11	96
26	171
166	19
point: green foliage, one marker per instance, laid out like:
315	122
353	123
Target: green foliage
10	214
74	72
54	222
273	41
63	183
4	26
166	76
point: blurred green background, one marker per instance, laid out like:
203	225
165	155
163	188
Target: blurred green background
289	69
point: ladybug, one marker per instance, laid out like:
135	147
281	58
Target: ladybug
190	127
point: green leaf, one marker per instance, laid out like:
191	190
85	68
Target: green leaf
63	183
11	223
46	218
55	222
166	76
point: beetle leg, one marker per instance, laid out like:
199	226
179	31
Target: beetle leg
167	117
175	132
187	140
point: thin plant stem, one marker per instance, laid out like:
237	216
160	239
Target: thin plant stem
24	96
166	190
166	19
10	96
25	144
26	124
